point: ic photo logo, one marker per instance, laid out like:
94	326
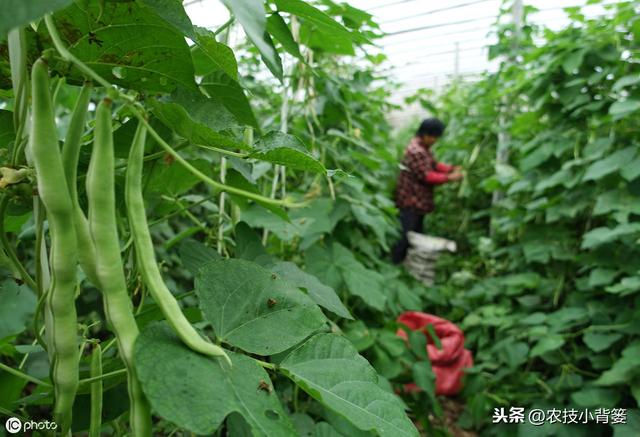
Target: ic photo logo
13	425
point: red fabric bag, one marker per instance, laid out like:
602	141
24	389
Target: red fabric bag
447	363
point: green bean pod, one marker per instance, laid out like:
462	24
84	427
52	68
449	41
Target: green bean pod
146	258
95	423
53	190
70	156
109	268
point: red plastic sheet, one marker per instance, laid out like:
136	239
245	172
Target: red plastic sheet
447	363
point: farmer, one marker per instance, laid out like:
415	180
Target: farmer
419	173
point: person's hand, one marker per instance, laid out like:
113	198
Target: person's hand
457	169
455	176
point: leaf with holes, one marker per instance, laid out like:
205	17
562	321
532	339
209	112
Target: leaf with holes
128	44
213	389
253	309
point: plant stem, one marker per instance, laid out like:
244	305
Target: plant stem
266	365
104	376
206	179
24	376
223	151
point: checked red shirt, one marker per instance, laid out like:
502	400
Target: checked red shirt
420	172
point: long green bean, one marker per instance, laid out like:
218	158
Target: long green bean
96	392
52	188
109	268
146	257
70	156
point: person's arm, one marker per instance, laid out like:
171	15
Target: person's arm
444	168
436	177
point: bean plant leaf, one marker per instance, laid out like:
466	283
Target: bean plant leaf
206	121
319	29
547	344
253	309
330	370
626	81
335	265
287	150
195	254
595	397
321	294
624	369
424	378
18	305
610	164
251	15
573	61
624	108
599	342
599	236
128	44
209	55
212	390
248	244
173	13
227	90
19	12
277	27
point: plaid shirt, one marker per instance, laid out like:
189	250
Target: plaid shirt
413	191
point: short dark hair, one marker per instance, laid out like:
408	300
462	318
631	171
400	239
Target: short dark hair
431	126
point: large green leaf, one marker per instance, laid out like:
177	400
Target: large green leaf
625	368
253	309
18	306
287	150
195	254
321	30
224	88
573	61
209	55
251	15
321	294
15	13
335	265
595	397
173	178
626	81
173	13
599	236
197	392
197	118
617	200
547	344
280	31
610	164
599	342
329	368
624	108
128	44
258	217
320	262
